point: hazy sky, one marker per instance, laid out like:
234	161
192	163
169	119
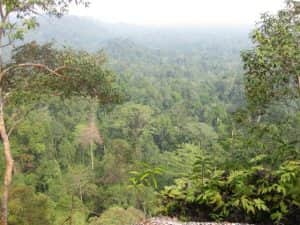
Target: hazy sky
179	12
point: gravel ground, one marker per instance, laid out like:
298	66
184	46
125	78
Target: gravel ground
168	221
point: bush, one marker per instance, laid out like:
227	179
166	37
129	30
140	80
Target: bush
119	216
254	195
28	208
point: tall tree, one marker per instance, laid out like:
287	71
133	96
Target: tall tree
88	136
60	73
272	66
41	70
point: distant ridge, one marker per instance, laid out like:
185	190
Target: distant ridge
90	34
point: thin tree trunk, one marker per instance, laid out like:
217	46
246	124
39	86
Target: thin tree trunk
9	163
202	173
72	207
92	155
80	193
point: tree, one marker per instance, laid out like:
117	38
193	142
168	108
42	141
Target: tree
272	87
24	12
88	136
39	211
272	67
82	76
41	69
131	121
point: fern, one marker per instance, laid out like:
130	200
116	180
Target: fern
256	193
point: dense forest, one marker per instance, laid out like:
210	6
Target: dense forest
112	123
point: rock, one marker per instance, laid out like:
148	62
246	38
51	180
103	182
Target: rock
170	221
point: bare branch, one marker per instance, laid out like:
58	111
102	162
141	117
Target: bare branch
58	69
34	65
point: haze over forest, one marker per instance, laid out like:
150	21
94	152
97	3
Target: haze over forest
124	121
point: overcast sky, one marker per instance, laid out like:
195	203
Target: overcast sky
179	12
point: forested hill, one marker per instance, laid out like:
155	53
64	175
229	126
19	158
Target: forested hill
91	34
206	50
175	122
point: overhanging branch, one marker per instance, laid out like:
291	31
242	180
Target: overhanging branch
54	72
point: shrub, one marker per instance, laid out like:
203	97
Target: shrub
118	216
255	195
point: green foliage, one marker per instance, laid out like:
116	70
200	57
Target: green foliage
179	163
272	67
63	73
147	176
118	216
253	195
25	13
28	208
181	131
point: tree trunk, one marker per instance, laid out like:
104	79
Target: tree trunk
80	193
72	209
9	163
92	155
